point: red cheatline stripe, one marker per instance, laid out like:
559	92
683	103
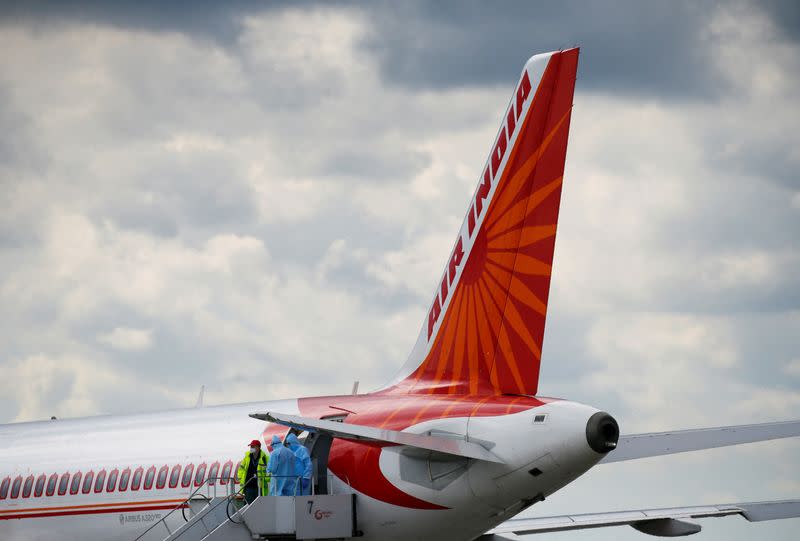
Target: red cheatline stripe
88	512
113	504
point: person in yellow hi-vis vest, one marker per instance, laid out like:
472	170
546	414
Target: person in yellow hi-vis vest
253	477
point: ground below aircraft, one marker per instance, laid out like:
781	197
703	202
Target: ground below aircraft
428	456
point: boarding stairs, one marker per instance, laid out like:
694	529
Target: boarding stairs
212	517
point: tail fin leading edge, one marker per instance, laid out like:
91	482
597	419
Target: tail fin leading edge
484	329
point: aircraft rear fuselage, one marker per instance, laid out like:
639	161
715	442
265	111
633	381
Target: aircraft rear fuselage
401	493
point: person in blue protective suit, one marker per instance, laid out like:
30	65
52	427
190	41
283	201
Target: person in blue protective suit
303	466
282	469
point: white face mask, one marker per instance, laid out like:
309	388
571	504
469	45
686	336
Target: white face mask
253	450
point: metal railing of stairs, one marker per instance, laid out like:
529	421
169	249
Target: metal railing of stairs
228	482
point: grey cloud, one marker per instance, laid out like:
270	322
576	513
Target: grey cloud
337	220
632	48
58	389
204	190
564	356
205	18
627	48
767	341
171	191
785	14
416	41
359	162
154	218
18	150
762	159
759	220
176	347
742	260
654	49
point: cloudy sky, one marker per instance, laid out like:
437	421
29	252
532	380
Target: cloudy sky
259	197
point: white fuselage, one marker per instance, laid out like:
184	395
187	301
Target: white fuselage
474	495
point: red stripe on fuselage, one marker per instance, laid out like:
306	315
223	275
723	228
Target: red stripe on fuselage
86	506
89	511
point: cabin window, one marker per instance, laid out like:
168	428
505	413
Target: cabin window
236	469
226	473
137	478
111	486
51	485
123	479
175	476
212	473
76	483
186	480
39	485
28	487
4	488
162	477
15	487
87	482
200	475
148	478
63	484
99	480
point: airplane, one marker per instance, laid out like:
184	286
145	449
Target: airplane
452	448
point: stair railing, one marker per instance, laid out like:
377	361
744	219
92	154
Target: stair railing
207	484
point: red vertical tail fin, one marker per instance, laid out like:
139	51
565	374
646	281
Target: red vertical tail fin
484	329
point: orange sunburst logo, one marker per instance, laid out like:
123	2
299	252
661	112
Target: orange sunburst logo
487	333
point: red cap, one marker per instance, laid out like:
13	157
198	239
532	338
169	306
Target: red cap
255	443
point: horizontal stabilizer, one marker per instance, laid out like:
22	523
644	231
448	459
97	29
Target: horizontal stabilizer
635	446
449	446
663	522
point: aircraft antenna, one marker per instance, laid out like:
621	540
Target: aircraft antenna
199	403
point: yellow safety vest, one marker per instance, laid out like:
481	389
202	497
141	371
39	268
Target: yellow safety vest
261	472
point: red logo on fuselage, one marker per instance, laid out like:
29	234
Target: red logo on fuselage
478	207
